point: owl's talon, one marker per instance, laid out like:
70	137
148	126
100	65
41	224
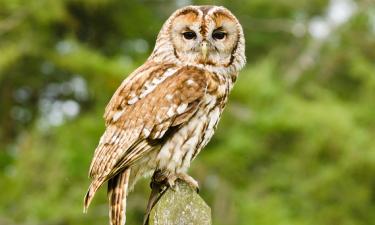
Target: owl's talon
189	181
171	182
172	186
175	188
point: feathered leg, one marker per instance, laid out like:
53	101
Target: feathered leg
117	193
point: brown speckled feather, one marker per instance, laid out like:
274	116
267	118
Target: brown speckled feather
172	101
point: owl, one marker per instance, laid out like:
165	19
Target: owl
166	111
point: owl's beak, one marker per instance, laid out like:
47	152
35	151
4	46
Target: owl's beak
204	50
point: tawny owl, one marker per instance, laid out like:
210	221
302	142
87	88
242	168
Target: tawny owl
166	111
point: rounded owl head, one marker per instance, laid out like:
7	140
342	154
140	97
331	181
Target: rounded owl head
210	36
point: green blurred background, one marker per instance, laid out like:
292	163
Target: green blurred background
296	144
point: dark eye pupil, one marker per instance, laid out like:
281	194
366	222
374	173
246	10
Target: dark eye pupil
189	35
218	35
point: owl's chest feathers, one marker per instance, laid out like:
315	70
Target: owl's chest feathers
177	153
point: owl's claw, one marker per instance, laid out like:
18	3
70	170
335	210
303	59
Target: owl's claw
172	184
171	181
189	180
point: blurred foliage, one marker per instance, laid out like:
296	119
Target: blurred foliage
296	144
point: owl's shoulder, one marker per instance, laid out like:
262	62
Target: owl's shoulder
154	79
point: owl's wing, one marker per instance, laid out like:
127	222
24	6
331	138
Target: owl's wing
142	110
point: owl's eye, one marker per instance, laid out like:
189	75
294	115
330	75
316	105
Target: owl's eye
218	35
189	35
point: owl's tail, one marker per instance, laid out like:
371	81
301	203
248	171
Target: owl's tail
94	186
117	192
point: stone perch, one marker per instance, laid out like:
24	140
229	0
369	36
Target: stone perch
182	206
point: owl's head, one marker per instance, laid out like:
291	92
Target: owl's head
210	36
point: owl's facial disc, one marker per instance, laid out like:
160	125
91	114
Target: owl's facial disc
204	35
207	35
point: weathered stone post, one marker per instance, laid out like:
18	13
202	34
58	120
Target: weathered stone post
182	206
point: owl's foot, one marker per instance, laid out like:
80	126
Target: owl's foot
171	180
160	182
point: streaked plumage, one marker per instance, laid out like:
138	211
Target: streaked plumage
166	111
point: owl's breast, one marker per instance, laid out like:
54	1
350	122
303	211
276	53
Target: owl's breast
177	153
